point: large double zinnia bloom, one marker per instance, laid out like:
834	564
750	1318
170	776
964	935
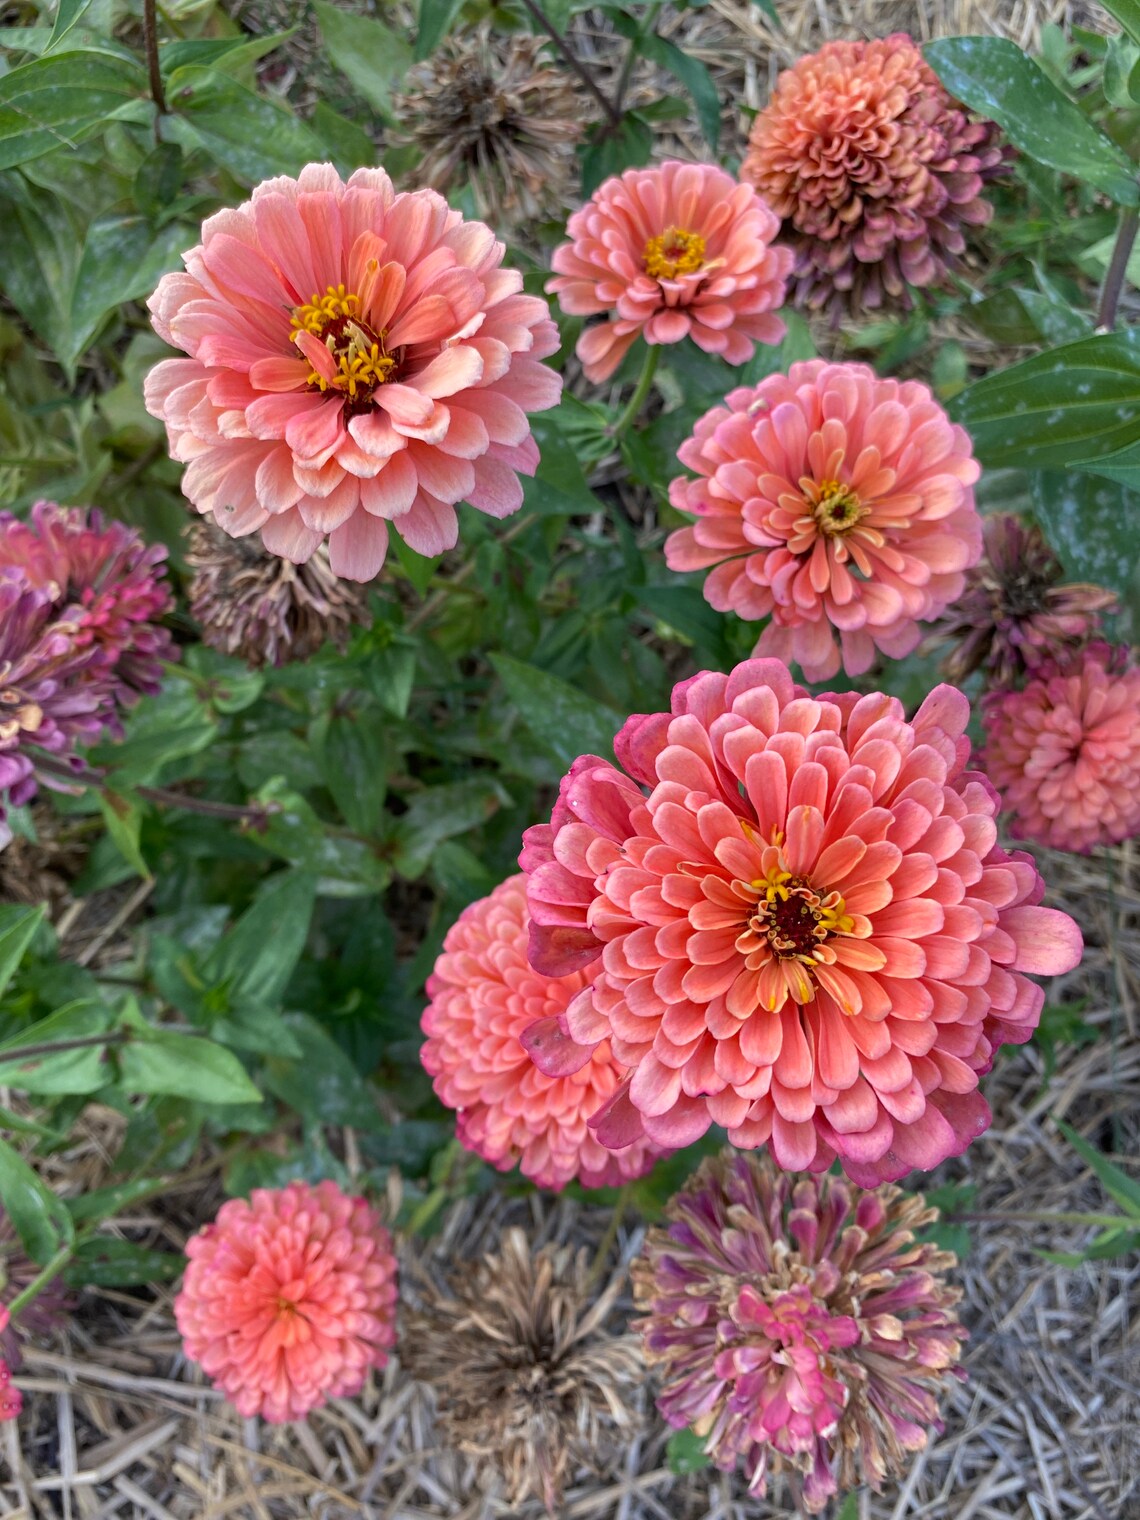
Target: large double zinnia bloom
808	932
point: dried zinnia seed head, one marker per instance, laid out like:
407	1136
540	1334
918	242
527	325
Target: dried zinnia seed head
1014	613
267	610
494	113
528	1377
797	1324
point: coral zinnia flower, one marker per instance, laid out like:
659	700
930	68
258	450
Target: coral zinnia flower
808	931
1065	752
1013	615
357	357
288	1300
674	251
835	501
11	1399
874	169
488	1007
796	1324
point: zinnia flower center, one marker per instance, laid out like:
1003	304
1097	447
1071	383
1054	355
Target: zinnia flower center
674	252
835	507
359	357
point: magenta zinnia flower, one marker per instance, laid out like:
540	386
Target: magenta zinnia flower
807	930
357	357
837	503
798	1327
289	1299
488	1007
671	252
875	170
1065	752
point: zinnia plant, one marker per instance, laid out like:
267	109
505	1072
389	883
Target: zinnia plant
807	929
487	1008
798	1326
671	252
875	171
837	504
356	358
289	1299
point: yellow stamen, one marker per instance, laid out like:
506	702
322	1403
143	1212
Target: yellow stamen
674	252
835	507
319	311
358	352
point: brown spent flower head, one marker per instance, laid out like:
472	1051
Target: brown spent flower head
267	610
797	1325
1014	615
528	1379
493	112
875	170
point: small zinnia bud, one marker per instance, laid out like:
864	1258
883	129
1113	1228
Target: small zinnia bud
808	931
264	609
875	170
669	252
355	358
839	504
528	1374
1065	752
487	1006
797	1325
493	112
1014	614
289	1299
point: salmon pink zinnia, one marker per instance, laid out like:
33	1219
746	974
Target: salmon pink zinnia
838	503
357	358
487	1007
1065	751
670	252
808	932
289	1299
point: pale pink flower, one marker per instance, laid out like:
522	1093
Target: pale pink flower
808	932
488	1006
357	358
671	252
1065	752
289	1299
838	504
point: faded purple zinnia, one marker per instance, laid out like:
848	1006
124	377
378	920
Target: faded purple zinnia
875	170
797	1325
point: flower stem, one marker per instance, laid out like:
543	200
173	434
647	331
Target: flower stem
150	39
613	115
1118	267
632	53
1043	1216
41	1280
606	1244
648	370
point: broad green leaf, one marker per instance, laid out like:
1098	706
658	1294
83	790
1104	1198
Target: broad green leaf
123	817
183	1066
244	132
685	1452
57	101
106	1202
18	927
256	958
691	72
995	78
158	178
565	720
1119	1186
68	1071
348	144
39	1217
354	755
67	14
417	567
39	256
324	1086
1127	12
370	55
559	483
122	261
343	866
609	152
441	812
1123	466
104	1261
1120	72
1091	523
225	55
1081	400
436	18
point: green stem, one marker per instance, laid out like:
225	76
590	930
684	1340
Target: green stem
1117	269
40	1282
427	1210
632	53
572	59
636	401
606	1244
1044	1216
150	41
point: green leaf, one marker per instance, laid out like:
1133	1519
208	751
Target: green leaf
685	1452
39	255
1090	524
226	55
158	178
559	483
183	1066
609	152
323	1086
1127	12
1079	401
370	55
67	14
106	1202
123	817
691	72
436	18
995	78
849	1509
256	958
417	567
39	1217
57	101
106	1262
122	261
244	132
343	867
440	812
18	927
1119	1186
1061	1024
68	1071
354	756
563	719
350	145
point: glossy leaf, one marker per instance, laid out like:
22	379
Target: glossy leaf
354	755
439	813
122	261
183	1066
344	867
995	78
609	152
105	1261
436	18
57	101
565	720
323	1085
123	817
691	72
40	1218
67	14
18	925
242	131
255	960
1127	12
1091	524
370	55
67	1071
